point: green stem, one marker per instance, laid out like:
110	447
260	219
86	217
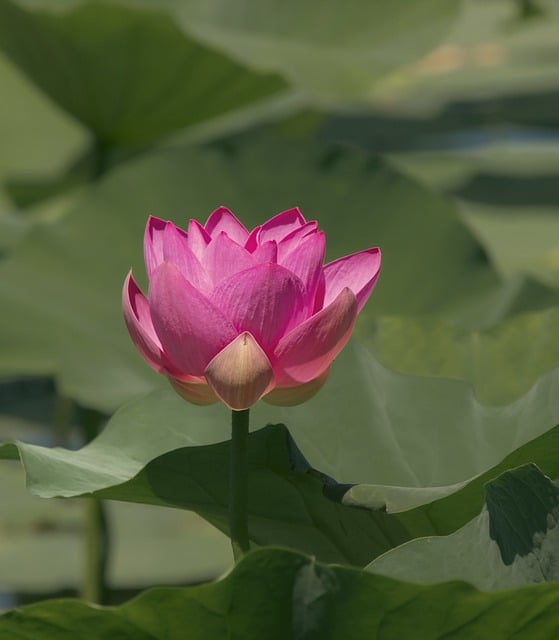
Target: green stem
97	546
96	552
238	484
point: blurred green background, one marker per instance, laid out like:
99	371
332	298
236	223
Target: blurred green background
427	127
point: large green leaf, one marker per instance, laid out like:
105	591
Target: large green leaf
490	51
335	52
501	363
521	239
286	502
513	542
38	140
440	510
129	74
277	594
397	443
68	320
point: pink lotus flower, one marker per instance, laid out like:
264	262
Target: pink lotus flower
238	316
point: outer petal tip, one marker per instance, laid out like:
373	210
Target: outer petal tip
140	327
240	374
358	271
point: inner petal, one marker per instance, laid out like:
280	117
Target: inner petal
294	238
177	251
266	300
198	238
267	252
224	257
223	220
281	225
305	261
153	243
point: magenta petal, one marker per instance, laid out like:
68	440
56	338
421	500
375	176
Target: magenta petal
305	261
177	251
253	241
309	349
223	220
198	238
358	272
294	238
224	257
266	300
240	374
282	224
191	329
267	252
153	243
140	327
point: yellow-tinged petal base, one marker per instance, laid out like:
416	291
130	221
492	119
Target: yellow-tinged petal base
196	392
240	374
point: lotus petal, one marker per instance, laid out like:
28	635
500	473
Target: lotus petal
240	373
305	261
191	329
223	220
140	326
224	257
309	349
266	300
198	391
291	396
358	272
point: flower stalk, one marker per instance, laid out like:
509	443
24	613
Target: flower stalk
238	484
97	537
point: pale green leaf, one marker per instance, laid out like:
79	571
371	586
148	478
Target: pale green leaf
512	543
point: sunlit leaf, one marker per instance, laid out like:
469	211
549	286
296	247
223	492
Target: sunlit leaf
501	363
512	543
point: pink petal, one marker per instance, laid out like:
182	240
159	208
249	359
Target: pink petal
191	329
281	225
309	349
240	373
266	300
153	243
290	396
198	238
305	261
197	392
224	257
140	327
358	272
294	238
177	251
253	241
223	220
267	252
